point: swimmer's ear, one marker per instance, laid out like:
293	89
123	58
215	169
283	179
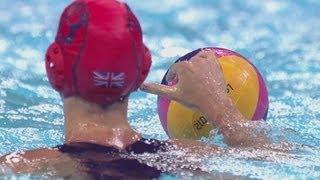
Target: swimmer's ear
55	66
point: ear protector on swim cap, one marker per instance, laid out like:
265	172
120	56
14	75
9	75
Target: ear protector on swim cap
146	63
98	53
54	66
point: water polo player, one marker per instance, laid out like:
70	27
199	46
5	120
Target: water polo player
97	59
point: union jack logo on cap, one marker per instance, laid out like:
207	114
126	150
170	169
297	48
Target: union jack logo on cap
109	79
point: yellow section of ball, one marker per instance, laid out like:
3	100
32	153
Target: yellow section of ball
243	88
186	123
242	84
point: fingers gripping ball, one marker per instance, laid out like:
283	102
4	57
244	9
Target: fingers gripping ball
245	87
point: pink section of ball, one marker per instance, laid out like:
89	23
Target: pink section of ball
263	100
221	52
163	106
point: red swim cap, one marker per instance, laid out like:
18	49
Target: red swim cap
98	53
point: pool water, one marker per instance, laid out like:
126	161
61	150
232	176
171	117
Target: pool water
281	38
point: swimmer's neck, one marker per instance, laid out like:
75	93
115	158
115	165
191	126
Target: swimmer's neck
108	126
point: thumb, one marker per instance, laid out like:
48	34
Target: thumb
159	89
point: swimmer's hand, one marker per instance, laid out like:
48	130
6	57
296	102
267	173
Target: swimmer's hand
199	80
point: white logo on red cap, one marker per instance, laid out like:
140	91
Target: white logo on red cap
109	79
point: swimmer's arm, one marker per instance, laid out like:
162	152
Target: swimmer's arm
236	130
28	161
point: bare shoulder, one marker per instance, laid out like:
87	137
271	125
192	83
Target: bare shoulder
28	161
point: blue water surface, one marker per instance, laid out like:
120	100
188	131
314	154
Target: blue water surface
280	37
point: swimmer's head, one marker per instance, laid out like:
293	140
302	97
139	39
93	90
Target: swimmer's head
98	53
